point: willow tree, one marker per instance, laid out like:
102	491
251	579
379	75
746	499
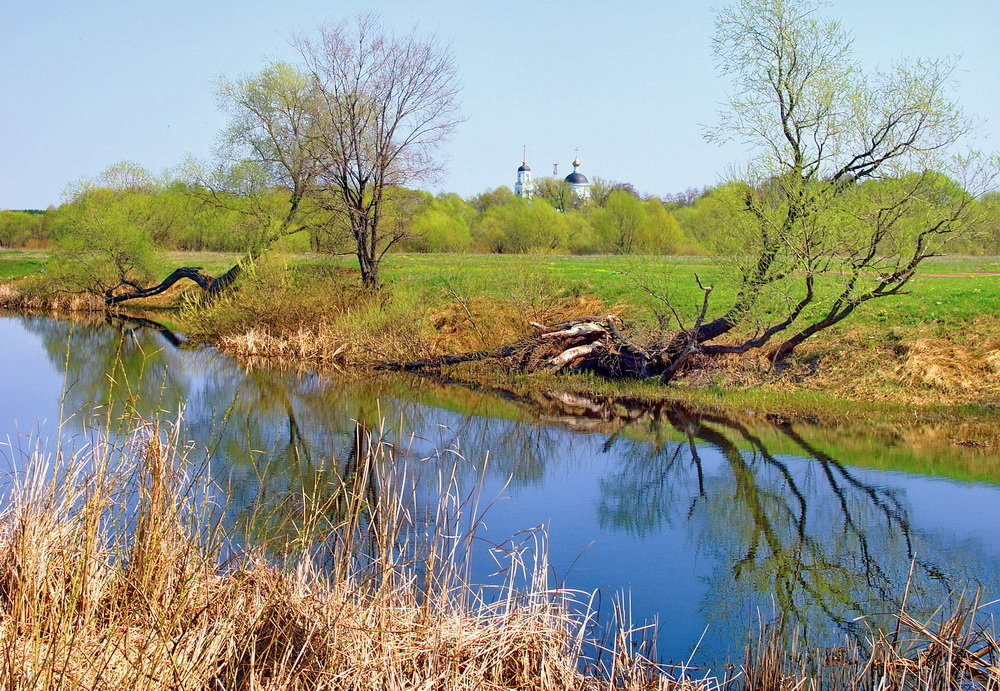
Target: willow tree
853	184
329	144
384	103
264	173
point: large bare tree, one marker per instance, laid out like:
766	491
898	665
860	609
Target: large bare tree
384	104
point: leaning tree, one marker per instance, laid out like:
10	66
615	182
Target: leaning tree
849	190
328	144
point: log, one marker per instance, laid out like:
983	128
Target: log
591	343
584	329
414	365
571	354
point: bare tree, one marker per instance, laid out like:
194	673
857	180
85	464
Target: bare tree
384	104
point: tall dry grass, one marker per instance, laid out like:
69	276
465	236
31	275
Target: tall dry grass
14	297
949	650
116	573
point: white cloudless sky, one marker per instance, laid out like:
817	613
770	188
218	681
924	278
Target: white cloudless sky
84	84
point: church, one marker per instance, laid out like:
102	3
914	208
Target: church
579	184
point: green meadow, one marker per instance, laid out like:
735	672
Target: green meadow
948	291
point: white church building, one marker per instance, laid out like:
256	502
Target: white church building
525	187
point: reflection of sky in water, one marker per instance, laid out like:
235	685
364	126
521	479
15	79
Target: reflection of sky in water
702	531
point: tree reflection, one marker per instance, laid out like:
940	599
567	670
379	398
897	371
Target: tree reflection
788	527
817	539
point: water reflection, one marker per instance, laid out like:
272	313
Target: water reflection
708	519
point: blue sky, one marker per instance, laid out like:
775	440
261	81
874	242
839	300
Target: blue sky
84	84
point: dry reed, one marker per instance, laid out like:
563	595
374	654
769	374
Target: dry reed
13	298
116	572
112	575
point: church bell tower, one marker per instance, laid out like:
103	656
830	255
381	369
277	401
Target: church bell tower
524	187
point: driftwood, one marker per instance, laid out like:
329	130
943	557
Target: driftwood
593	343
443	360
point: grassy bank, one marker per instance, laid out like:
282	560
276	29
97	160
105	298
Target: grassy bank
938	345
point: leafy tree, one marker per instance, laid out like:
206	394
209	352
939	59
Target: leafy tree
22	228
664	232
105	244
557	192
581	236
839	205
522	226
441	225
492	197
267	166
622	223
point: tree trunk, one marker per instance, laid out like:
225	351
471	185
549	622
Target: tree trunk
211	286
204	281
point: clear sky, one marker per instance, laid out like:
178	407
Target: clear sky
84	84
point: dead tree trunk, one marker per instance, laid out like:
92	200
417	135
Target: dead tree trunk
583	344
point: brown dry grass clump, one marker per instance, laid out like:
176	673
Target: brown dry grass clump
912	365
951	367
112	576
917	365
950	649
312	345
12	297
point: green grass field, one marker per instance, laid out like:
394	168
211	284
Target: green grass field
20	263
938	294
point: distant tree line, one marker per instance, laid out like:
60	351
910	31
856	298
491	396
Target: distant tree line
174	213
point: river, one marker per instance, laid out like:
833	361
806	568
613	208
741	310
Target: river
710	524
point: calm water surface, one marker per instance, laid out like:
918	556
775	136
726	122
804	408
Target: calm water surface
708	523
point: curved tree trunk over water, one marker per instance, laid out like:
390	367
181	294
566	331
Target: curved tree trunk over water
193	273
211	285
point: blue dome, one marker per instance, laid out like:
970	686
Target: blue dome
577	178
524	168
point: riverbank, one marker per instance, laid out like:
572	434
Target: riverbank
937	347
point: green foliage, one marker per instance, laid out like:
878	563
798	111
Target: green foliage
441	225
520	227
25	228
105	243
493	197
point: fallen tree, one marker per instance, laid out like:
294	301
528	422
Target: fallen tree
589	343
